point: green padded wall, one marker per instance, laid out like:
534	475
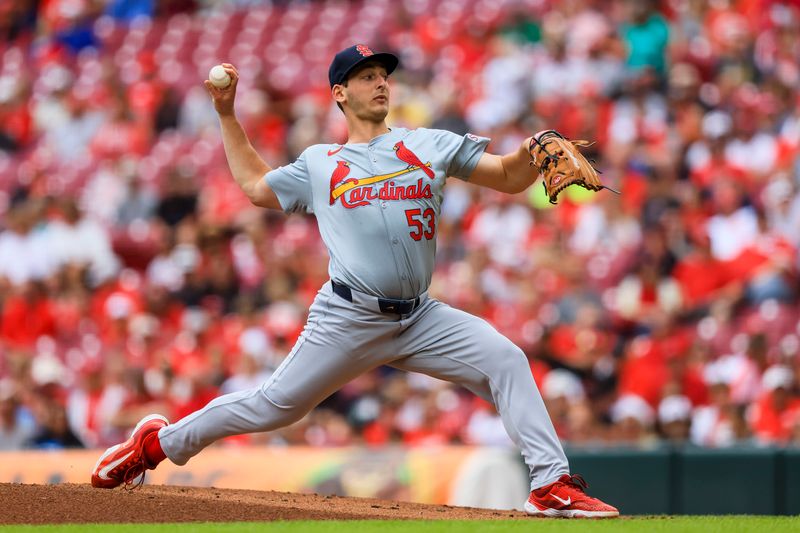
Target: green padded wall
789	482
689	480
637	482
727	481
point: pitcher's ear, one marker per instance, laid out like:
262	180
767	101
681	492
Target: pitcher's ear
337	92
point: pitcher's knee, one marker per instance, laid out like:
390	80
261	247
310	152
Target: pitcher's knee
276	416
513	359
515	352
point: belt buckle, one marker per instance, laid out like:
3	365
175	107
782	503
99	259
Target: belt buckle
401	307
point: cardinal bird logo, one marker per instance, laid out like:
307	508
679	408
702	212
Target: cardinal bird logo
339	174
408	157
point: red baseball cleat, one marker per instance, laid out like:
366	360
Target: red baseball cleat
127	462
566	498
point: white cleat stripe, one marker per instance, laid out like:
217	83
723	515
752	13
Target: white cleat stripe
103	473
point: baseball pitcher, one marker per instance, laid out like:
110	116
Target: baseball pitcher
377	200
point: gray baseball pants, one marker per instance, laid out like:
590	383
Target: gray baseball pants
342	340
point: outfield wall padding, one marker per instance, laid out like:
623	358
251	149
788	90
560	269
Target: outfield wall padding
632	480
694	481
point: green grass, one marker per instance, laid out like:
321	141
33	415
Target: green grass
704	524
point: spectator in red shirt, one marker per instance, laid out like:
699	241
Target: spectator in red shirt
774	416
26	316
701	276
767	265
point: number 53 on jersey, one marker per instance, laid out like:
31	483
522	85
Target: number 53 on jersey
423	224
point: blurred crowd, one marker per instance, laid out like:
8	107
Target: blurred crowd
135	277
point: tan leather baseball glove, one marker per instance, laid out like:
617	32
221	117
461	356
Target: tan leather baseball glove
561	164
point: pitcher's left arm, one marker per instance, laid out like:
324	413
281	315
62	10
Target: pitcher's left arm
511	173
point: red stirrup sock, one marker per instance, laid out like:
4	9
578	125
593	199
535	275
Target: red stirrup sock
153	453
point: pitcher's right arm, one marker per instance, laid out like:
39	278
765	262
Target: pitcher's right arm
247	167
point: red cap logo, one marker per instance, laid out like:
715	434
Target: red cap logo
364	50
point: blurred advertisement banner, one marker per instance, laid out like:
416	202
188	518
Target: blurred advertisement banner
468	476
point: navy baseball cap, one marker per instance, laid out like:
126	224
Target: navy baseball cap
348	59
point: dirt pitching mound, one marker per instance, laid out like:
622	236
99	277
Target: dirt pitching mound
72	503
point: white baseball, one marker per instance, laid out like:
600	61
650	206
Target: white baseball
219	77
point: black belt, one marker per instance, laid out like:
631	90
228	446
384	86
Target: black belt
386	305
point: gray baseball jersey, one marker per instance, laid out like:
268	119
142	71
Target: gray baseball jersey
377	206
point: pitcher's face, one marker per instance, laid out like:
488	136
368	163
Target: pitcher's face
367	93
